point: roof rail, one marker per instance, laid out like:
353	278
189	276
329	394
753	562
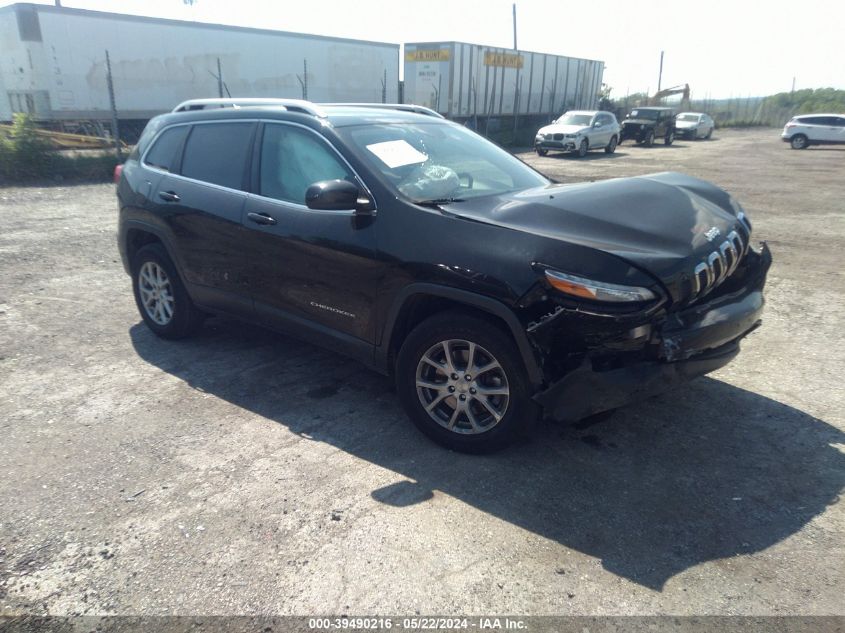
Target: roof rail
292	105
404	107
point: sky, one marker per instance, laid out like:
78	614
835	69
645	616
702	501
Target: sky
720	48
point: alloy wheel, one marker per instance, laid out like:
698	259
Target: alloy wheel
156	293
462	386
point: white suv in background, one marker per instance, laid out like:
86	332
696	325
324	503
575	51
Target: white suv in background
814	129
579	131
694	125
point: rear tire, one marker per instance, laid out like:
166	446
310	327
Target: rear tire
670	137
611	147
432	384
160	295
799	141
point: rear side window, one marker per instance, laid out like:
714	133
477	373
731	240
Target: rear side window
292	160
164	152
810	120
217	153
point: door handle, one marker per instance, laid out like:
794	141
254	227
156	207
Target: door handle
261	218
169	196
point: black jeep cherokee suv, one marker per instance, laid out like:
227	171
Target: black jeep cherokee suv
644	125
426	252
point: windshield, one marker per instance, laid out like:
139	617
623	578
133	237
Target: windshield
428	162
651	115
688	117
575	119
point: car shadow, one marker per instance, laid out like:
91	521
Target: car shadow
592	155
711	472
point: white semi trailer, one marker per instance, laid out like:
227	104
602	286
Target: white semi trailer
53	64
462	80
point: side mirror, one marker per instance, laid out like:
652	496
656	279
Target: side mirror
338	195
597	124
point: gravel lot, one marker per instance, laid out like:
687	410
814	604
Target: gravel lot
242	472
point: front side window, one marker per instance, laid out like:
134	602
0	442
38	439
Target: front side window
293	159
217	153
163	153
434	161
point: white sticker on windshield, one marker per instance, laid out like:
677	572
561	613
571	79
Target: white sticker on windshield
397	153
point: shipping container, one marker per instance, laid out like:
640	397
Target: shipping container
462	80
53	64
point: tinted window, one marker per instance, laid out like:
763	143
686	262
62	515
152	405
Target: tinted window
217	153
840	121
811	120
163	153
293	159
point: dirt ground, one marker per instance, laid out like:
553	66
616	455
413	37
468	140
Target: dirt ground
243	472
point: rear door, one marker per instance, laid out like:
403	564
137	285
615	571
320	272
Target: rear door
814	127
203	205
310	270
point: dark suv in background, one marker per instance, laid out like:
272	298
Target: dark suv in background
419	248
645	125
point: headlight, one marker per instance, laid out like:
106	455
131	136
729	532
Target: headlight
596	290
740	213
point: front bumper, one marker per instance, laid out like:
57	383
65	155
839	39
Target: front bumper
566	144
684	344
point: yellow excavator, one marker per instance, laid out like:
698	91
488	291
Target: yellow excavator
681	89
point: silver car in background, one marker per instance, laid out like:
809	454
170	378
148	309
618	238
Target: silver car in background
579	131
694	125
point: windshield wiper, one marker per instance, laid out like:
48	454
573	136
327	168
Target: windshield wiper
436	202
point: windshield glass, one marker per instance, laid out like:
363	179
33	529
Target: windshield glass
439	161
575	119
688	117
651	115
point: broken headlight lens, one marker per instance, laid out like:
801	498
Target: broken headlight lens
596	290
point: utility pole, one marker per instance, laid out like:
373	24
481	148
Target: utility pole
793	85
219	80
514	26
114	130
660	75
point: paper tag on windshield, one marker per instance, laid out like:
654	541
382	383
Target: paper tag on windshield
397	153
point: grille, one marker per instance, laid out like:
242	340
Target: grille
720	264
558	137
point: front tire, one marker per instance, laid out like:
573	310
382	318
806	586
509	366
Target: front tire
462	382
583	148
541	151
611	147
799	141
161	297
709	134
649	139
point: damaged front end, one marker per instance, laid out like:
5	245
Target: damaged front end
597	358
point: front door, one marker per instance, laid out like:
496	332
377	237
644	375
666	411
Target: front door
308	268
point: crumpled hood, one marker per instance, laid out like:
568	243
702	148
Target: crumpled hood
559	128
657	222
